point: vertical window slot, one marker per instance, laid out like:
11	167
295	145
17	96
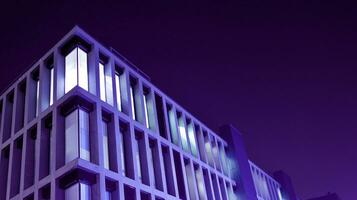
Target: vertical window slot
128	167
16	167
45	146
141	158
4	169
156	167
168	170
160	115
179	175
9	104
190	179
30	157
182	130
20	105
172	124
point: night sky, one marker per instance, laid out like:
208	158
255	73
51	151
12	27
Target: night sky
283	73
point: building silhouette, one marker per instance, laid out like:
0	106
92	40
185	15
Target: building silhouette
328	196
85	123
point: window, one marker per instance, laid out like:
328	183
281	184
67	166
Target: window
132	102
34	94
154	157
146	111
137	158
80	191
118	90
108	195
105	144
77	142
172	124
183	136
160	115
45	146
51	85
192	138
103	95
200	182
122	154
37	96
76	70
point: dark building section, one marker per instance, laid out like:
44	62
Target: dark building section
329	196
241	171
288	191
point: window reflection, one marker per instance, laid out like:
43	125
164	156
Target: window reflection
76	72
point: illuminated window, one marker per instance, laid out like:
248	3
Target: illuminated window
172	124
37	96
146	111
183	136
51	85
77	142
103	95
132	102
76	69
192	138
118	90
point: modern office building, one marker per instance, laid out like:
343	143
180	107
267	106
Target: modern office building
85	123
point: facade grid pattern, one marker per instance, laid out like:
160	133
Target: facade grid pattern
83	123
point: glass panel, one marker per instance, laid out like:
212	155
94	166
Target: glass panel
51	85
132	102
102	82
122	158
107	195
72	192
71	136
146	112
82	69
37	96
105	144
118	91
183	136
137	158
173	129
192	139
84	135
71	70
151	160
85	192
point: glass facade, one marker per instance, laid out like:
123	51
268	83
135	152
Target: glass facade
118	91
103	95
132	100
146	112
37	107
51	85
192	138
80	191
174	145
77	142
76	69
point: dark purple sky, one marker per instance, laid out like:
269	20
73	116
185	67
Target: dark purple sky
284	73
